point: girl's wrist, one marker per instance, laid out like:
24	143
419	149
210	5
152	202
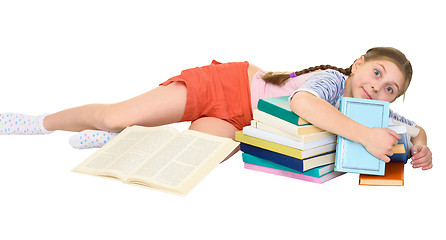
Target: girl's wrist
361	134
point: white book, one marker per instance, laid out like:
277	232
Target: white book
159	157
301	138
265	135
284	125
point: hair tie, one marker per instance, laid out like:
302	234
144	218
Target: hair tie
293	75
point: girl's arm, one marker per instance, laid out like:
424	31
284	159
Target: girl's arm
377	141
421	154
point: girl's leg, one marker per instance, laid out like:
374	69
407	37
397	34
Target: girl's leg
21	124
91	139
162	105
210	125
214	126
217	127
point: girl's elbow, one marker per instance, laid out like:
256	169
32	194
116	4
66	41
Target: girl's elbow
421	129
299	102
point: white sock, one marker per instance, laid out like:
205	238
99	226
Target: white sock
91	139
21	124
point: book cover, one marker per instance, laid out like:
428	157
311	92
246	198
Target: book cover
280	107
315	172
394	176
282	149
297	164
352	156
294	175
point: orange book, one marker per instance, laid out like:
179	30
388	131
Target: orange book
394	176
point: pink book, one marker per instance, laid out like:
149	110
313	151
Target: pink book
322	179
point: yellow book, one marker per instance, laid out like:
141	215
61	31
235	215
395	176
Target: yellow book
399	148
282	149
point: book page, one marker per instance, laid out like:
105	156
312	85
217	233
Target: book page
184	161
127	151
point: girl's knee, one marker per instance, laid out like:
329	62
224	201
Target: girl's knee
108	118
214	126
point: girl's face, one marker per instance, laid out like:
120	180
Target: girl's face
375	79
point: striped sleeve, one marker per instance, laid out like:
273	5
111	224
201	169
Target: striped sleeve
327	85
395	116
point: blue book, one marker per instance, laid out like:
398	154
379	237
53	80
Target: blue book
315	172
401	151
352	156
401	155
297	164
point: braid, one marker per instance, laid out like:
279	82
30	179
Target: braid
279	79
345	71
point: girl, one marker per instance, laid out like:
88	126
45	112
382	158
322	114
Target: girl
219	99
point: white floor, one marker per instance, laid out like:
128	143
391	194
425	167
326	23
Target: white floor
55	55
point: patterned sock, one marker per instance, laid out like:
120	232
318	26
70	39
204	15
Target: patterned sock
21	124
91	139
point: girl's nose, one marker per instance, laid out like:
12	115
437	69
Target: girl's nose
376	87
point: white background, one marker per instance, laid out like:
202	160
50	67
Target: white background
60	54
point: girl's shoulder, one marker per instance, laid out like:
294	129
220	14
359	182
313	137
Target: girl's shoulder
253	69
331	74
327	85
328	78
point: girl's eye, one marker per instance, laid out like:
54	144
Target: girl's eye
389	89
377	73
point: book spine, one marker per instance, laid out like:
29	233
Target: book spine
302	138
282	149
315	172
284	160
293	175
399	157
339	143
279	148
268	136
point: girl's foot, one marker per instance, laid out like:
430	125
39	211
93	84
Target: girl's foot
91	139
21	124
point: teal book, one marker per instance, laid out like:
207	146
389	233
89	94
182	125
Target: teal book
352	156
280	107
315	172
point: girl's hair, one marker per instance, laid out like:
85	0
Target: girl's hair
387	53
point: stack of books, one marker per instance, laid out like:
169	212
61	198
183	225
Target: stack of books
280	142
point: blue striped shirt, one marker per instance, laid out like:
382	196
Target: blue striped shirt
329	85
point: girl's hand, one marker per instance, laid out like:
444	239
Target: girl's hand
379	142
421	157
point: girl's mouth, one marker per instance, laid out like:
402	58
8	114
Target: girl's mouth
366	94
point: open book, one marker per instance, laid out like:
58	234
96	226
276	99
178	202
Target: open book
159	157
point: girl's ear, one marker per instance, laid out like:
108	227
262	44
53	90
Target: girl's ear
357	63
